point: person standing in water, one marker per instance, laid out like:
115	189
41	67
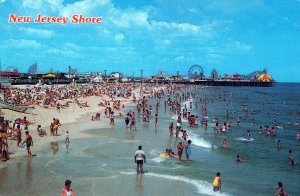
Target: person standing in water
225	145
67	191
179	150
188	149
279	144
139	159
280	191
29	143
171	128
290	156
248	134
217	182
238	159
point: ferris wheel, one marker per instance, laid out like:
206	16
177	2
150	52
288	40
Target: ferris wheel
196	71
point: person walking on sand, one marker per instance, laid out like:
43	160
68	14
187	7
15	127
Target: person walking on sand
29	143
139	159
67	191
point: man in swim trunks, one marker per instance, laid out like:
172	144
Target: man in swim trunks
139	159
179	150
67	191
127	120
29	143
217	182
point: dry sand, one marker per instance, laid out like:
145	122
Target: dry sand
67	116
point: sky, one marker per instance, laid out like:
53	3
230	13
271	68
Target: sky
231	36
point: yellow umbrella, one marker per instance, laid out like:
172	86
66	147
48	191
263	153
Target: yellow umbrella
49	76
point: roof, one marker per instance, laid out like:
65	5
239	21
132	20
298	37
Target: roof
10	74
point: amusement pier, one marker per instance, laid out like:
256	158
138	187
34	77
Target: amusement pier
195	76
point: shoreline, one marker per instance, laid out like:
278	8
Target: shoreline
69	118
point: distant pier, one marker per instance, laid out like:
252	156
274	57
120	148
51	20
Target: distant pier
196	82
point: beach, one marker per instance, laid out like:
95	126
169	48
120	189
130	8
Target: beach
100	157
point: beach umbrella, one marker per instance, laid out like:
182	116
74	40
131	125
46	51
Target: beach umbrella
49	76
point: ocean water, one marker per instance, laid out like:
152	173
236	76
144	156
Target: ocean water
103	164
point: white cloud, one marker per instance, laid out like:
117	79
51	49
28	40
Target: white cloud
179	58
63	52
166	41
37	32
182	27
2	1
240	46
22	43
119	37
127	18
84	7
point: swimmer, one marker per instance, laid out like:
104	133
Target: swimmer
139	159
293	163
188	150
279	144
179	150
127	121
171	128
67	191
225	145
248	134
298	136
238	159
273	131
280	191
290	156
260	130
238	120
217	182
184	135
